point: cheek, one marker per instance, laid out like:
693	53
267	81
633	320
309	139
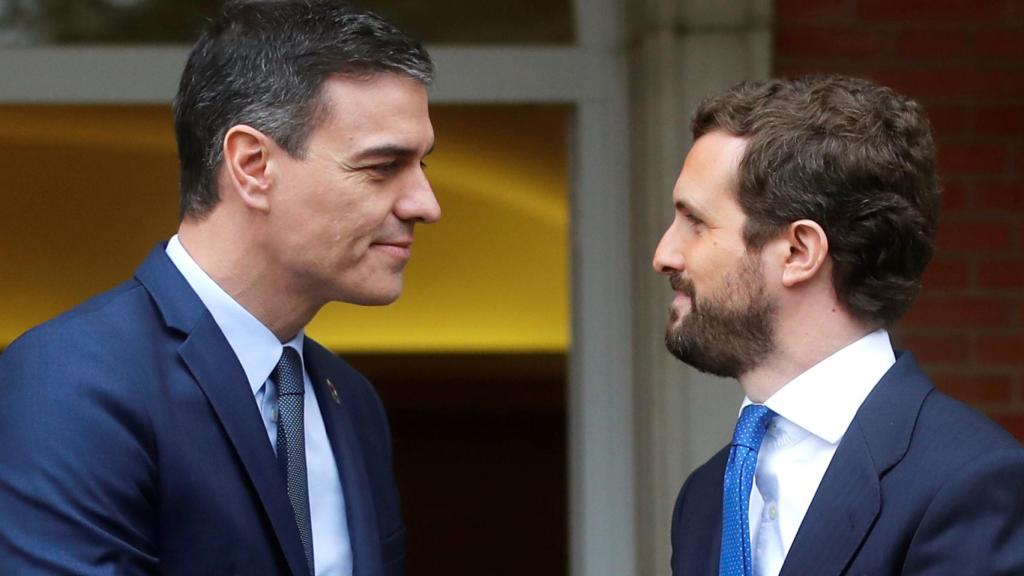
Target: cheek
710	268
350	234
702	266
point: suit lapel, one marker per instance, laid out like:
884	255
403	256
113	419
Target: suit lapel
220	376
841	513
849	498
338	420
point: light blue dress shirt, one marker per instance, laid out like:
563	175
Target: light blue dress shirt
258	350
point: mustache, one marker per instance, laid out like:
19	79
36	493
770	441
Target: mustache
680	284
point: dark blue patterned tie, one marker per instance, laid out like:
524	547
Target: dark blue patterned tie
291	442
736	559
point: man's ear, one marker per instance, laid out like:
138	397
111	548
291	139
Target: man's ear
246	158
808	250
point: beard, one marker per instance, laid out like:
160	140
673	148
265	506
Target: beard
730	331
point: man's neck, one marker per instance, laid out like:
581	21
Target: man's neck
247	278
799	346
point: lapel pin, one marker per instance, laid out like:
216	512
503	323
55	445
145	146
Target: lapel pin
334	392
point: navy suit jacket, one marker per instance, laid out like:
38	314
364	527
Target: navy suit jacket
130	444
920	484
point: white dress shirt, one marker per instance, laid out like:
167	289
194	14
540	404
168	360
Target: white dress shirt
813	412
258	351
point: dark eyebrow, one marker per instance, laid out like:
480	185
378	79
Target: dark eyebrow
690	208
390	150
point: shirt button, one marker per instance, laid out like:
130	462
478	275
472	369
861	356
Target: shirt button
273	415
773	511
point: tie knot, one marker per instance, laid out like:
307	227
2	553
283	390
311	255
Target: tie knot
751	426
288	372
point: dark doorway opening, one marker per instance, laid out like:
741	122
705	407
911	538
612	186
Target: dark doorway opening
480	457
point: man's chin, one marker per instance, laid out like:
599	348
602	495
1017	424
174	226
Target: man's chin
689	353
675	335
379	296
382	299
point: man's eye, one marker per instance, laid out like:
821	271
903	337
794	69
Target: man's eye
385	169
692	219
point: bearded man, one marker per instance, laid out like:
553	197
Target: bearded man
804	218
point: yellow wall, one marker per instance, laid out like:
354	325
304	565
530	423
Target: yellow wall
88	190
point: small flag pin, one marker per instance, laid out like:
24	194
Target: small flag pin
334	391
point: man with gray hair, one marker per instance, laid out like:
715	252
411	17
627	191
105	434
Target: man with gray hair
182	423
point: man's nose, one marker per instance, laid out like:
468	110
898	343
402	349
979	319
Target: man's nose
668	258
419	203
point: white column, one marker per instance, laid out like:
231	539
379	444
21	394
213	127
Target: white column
600	408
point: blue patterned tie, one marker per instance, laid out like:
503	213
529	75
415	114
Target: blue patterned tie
735	559
291	442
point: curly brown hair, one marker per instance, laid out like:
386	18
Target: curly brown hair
854	157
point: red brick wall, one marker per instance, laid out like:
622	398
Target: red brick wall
964	60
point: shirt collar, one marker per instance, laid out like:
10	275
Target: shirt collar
824	399
256	347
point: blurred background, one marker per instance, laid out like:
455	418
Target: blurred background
537	419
